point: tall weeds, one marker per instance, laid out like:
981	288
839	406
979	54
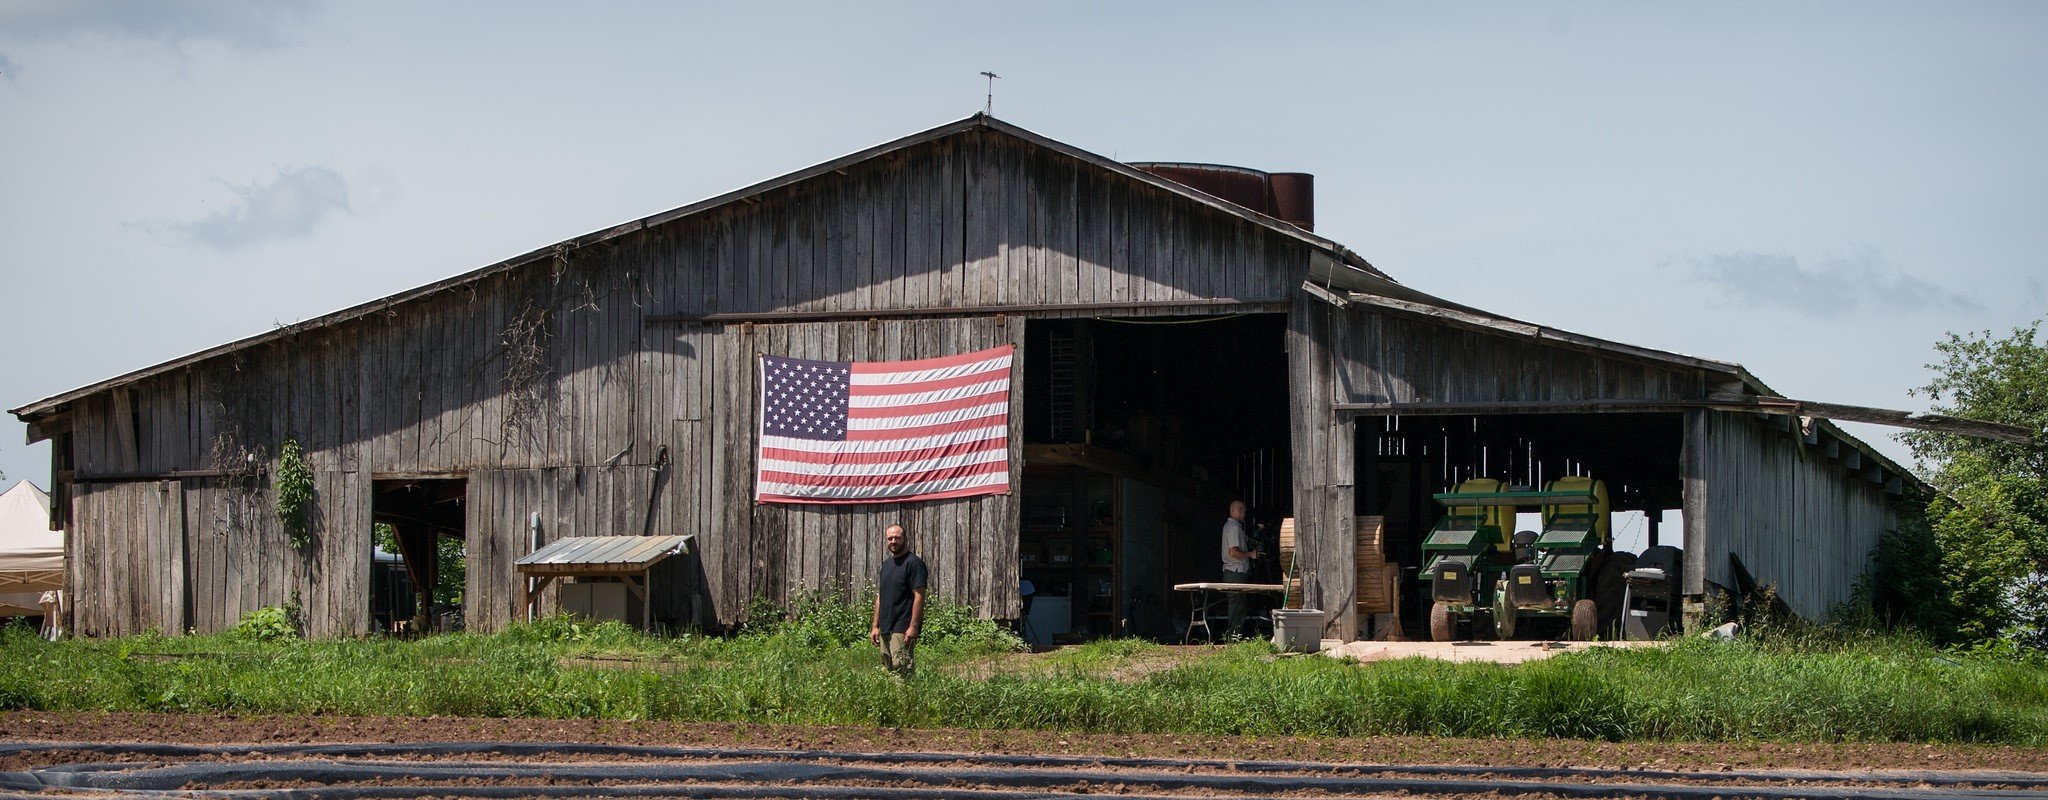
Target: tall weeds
813	666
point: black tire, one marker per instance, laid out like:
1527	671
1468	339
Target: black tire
1585	621
1610	582
1443	625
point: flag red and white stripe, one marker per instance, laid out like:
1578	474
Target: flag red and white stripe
882	432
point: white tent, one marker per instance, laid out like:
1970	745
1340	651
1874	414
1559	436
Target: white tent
31	555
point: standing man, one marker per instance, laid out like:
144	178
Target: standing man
899	603
1237	564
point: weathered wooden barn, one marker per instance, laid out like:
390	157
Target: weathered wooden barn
1178	349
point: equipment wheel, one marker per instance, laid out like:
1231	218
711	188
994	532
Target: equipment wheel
1609	582
1585	621
1442	623
1503	613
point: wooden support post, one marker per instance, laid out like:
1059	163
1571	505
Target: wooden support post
422	565
634	587
534	593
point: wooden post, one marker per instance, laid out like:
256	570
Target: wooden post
422	564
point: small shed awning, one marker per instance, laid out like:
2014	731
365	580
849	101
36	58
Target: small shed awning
601	555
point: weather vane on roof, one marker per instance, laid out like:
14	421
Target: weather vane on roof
990	107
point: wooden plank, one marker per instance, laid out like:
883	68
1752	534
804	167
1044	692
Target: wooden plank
120	442
1130	308
169	548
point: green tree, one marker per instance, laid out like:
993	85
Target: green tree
1990	518
449	553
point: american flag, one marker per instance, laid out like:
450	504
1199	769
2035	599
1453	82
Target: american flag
879	432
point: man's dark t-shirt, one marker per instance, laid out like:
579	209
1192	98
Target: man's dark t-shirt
900	574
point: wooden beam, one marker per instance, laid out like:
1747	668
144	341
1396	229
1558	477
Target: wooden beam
419	476
1323	294
533	594
1941	423
1427	409
1087	456
46	427
1779	406
1221	306
149	477
579	570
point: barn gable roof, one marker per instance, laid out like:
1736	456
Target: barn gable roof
1334	272
1337	265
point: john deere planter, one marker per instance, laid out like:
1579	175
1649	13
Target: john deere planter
1474	566
1465	555
1553	574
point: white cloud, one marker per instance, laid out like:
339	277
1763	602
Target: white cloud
242	24
7	68
290	207
1825	288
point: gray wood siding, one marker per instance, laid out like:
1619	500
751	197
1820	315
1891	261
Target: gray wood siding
979	219
1391	357
125	544
1795	517
198	554
779	551
432	385
572	501
1325	465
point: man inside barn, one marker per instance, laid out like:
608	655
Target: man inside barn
899	603
1237	564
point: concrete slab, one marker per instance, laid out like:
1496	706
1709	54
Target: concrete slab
1493	652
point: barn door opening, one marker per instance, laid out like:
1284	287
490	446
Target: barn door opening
1138	433
1405	462
419	568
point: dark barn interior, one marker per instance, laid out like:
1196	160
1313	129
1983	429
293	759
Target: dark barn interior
1138	433
1404	460
421	511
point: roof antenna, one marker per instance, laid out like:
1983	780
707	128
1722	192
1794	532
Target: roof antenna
989	109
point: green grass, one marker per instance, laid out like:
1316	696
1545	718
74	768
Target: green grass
815	668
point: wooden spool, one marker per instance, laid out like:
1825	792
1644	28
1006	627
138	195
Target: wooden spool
1287	576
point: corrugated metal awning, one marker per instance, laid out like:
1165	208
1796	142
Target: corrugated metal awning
597	555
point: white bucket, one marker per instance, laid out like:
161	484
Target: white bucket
1298	630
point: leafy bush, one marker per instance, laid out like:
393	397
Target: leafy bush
266	624
822	619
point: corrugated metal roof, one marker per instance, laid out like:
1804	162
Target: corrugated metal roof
611	553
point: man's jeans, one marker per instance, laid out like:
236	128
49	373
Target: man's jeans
1240	603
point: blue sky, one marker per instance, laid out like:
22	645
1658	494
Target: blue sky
1816	190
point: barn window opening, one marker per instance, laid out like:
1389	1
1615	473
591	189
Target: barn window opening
419	565
1138	433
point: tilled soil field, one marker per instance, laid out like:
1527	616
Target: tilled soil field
238	756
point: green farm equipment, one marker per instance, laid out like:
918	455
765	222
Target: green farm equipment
1474	566
1554	573
1465	554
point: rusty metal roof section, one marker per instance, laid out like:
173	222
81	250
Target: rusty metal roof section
1286	196
586	555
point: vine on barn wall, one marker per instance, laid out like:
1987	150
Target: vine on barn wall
526	341
294	493
232	394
